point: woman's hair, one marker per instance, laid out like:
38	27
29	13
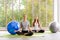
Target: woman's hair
35	21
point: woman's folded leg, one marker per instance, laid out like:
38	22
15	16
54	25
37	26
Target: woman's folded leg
26	33
19	33
29	33
41	31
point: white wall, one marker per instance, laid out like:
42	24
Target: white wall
55	11
58	10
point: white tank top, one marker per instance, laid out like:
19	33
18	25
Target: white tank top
36	26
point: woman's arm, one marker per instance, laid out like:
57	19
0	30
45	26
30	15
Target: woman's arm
29	28
39	25
20	27
32	23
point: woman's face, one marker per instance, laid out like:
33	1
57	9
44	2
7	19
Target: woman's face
36	19
25	17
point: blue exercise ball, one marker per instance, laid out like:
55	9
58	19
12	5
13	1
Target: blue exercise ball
12	26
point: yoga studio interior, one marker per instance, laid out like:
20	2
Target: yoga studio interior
39	18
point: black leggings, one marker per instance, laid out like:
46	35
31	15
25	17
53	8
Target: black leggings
40	31
25	32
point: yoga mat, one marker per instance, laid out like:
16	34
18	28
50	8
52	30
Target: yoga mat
21	36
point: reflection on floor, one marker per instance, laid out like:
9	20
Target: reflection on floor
4	35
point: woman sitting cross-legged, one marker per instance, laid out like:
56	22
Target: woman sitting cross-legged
36	26
25	27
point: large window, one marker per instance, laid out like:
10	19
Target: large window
14	9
